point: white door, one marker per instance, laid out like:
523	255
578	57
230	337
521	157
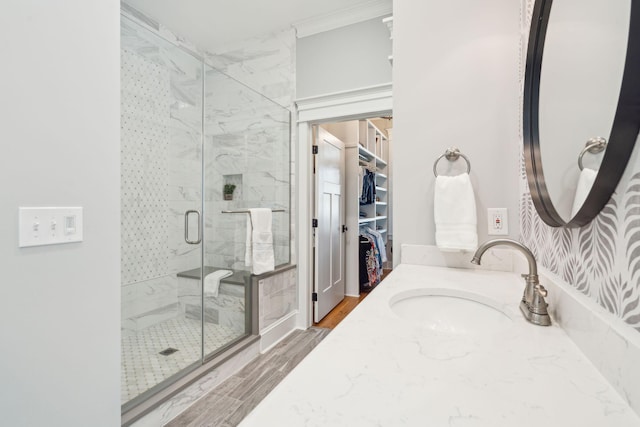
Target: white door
329	239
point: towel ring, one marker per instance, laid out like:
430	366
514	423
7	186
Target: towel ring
452	154
594	146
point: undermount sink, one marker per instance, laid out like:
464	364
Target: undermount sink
450	311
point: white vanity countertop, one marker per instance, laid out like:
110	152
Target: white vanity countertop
377	369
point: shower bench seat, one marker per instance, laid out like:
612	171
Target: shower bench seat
227	309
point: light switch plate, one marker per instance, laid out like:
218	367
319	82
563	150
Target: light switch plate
39	226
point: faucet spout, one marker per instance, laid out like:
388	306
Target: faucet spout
533	304
533	266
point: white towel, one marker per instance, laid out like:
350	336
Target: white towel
259	246
585	182
454	208
212	282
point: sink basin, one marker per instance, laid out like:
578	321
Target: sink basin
450	311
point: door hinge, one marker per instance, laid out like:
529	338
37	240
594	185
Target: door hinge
314	223
314	297
314	149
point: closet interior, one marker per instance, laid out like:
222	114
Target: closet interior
368	210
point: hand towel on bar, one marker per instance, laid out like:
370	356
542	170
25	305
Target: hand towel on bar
259	246
455	213
212	282
585	182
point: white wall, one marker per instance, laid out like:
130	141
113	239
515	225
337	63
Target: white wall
59	305
345	58
455	83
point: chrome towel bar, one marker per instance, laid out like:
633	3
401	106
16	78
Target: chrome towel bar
247	211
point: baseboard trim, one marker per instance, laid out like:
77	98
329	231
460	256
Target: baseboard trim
276	332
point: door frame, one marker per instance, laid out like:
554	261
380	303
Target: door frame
326	298
355	104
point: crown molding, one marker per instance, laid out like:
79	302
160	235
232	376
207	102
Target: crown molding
372	100
341	18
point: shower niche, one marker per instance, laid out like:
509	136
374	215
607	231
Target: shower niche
232	187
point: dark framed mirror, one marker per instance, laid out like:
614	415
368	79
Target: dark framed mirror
581	106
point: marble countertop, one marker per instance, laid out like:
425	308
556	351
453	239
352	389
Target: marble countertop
378	369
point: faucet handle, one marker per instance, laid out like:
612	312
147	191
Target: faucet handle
541	290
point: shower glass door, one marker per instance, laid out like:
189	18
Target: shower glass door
198	149
161	208
247	149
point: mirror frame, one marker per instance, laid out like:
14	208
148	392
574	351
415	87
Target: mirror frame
624	131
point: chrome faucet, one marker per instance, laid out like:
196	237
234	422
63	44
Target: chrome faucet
533	304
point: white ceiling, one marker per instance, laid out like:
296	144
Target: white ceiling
212	23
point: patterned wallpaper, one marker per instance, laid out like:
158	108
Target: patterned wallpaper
601	259
144	163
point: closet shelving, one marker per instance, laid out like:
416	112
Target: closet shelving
365	145
373	153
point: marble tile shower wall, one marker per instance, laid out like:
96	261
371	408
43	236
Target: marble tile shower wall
248	144
161	178
267	65
602	259
144	161
278	298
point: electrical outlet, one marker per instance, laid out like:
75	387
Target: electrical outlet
498	221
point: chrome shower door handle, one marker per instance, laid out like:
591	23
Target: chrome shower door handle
186	227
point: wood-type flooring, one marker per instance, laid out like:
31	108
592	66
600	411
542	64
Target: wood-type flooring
231	401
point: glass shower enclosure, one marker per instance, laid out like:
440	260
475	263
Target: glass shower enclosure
197	149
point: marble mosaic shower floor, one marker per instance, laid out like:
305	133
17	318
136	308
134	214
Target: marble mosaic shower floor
142	364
